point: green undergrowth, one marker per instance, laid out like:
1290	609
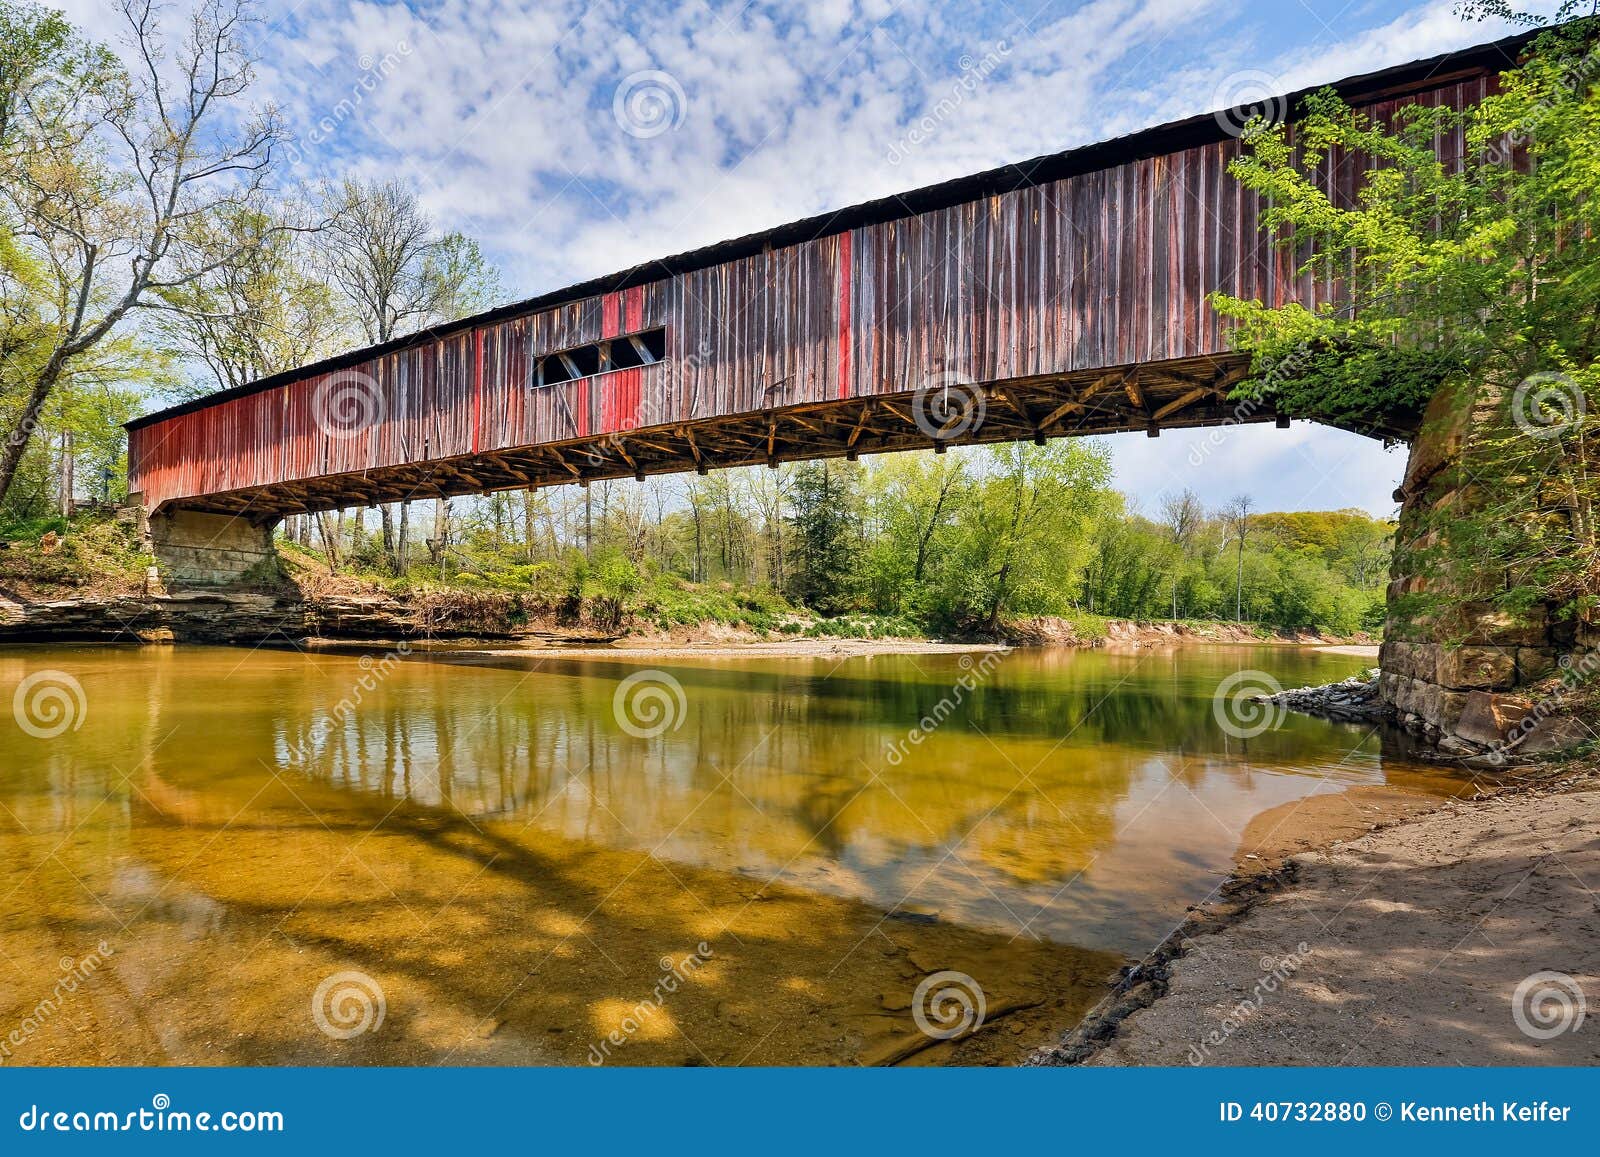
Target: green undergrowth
86	554
606	593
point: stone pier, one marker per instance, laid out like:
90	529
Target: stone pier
1467	674
195	550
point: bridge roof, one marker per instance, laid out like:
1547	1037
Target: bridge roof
1171	137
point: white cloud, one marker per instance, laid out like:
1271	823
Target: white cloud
501	112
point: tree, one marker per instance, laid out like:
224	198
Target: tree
1236	518
269	311
400	275
912	500
1025	531
1122	575
108	177
769	492
398	272
1473	287
1183	514
826	529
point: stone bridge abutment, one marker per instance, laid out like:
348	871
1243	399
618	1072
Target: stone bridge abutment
1457	668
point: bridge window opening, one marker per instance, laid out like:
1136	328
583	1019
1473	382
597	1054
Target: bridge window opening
620	353
639	349
582	362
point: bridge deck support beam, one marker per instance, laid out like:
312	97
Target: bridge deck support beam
193	549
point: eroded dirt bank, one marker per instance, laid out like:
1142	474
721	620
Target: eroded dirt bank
351	611
1404	945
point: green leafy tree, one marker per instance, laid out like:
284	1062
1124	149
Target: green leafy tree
1024	534
913	501
826	522
105	175
1472	291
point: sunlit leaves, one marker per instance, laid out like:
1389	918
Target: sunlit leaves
1476	275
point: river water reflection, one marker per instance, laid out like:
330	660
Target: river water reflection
320	858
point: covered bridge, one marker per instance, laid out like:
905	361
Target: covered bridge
1059	296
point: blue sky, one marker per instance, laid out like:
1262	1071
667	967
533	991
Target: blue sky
579	138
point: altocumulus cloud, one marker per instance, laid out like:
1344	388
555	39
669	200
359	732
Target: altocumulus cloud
502	112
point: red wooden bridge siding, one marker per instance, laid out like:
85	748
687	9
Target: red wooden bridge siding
1099	269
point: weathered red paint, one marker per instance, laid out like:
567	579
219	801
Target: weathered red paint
477	390
844	315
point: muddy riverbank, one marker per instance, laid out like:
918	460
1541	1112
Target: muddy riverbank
358	612
1378	927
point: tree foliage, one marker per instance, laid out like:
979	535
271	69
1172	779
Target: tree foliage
823	505
269	310
1475	279
107	177
966	542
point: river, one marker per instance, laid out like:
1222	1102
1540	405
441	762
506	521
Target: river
223	855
